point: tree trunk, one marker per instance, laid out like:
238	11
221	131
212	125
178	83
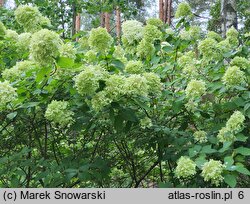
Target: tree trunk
161	10
73	31
228	15
78	22
102	16
165	10
118	24
107	21
1	3
169	12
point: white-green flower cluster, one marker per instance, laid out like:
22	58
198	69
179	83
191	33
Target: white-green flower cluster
100	100
169	31
58	113
200	136
194	33
195	88
119	54
185	169
214	35
209	49
146	123
18	71
30	18
68	50
136	85
151	33
241	62
187	59
212	171
2	29
87	82
233	126
100	40
132	32
153	82
45	46
134	67
234	77
23	42
114	86
7	94
183	10
145	49
90	56
232	36
155	22
11	35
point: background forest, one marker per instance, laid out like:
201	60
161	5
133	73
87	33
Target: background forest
124	93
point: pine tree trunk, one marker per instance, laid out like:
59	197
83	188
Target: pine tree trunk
228	15
118	24
73	31
161	9
169	12
102	16
78	22
1	3
107	21
165	10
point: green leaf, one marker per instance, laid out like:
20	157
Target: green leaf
42	74
194	151
243	151
118	123
128	114
240	137
208	150
64	62
30	104
230	180
225	147
118	64
228	161
243	170
11	116
200	161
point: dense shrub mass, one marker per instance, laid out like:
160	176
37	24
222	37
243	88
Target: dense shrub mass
169	107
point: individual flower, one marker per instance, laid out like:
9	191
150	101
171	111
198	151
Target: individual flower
195	88
87	82
183	10
146	123
23	42
134	67
240	62
45	46
18	71
155	22
11	35
136	85
214	35
68	50
186	168
233	77
200	136
2	29
7	94
145	49
154	83
58	113
132	32
100	40
151	33
29	17
212	171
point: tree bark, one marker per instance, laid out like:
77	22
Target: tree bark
78	22
118	24
102	16
165	10
1	3
107	21
161	10
169	12
228	15
73	31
